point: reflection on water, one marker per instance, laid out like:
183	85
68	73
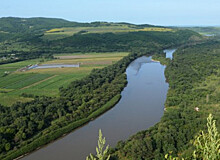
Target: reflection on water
169	53
136	65
141	106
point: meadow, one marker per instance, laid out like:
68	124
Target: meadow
207	31
59	33
46	82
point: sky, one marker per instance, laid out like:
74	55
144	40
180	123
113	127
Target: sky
157	12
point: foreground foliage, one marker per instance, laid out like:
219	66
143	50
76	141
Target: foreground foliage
101	153
208	144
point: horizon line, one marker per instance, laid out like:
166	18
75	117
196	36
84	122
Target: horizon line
184	25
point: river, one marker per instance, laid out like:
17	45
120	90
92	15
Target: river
141	106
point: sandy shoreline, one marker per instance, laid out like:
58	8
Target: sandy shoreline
154	60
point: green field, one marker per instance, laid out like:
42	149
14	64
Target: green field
48	81
207	31
59	33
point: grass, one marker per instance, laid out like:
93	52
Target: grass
59	33
46	82
17	65
206	30
93	54
55	30
8	100
21	80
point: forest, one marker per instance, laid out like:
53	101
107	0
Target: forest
27	126
193	77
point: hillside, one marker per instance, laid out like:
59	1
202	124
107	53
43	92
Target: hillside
207	31
29	38
33	25
41	24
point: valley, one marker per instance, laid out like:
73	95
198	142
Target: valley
59	77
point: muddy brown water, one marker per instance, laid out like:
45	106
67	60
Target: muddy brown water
141	106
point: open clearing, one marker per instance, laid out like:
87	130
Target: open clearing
48	81
59	33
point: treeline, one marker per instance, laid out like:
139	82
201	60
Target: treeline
193	78
131	41
40	24
34	25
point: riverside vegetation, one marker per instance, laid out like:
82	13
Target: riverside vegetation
27	126
207	145
194	91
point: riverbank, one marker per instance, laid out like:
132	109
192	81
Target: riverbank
180	122
47	139
140	107
39	141
161	58
154	60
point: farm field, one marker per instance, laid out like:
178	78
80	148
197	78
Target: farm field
59	33
46	82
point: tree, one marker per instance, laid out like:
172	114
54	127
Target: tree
101	153
7	146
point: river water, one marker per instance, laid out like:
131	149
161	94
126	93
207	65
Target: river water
141	106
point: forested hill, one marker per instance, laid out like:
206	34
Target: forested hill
131	41
29	38
208	31
193	76
40	24
26	42
27	25
27	126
